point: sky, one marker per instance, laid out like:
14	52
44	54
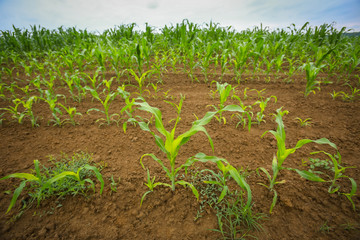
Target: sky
98	15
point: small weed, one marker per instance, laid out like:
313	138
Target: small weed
113	184
325	228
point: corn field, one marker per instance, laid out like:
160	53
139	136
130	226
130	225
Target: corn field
193	131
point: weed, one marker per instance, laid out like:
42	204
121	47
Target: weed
68	176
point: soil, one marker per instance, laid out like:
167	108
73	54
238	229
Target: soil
303	209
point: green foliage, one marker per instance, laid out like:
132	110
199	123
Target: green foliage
304	122
68	176
283	152
105	102
171	144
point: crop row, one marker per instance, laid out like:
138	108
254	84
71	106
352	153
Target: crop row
184	47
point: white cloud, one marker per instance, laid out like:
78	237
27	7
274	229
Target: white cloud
242	14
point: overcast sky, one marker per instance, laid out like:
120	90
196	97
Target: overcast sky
98	15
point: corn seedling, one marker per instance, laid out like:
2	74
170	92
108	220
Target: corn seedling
171	144
242	116
151	184
42	184
109	97
304	123
71	111
338	174
262	104
283	152
224	91
311	73
140	80
335	94
94	78
27	112
52	99
128	108
352	96
221	178
113	184
205	61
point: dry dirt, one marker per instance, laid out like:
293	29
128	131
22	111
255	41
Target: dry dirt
302	209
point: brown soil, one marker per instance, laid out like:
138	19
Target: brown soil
302	209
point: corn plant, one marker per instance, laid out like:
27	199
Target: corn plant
304	122
245	116
338	171
28	110
140	80
44	184
71	111
223	90
311	73
171	144
151	184
224	61
13	110
262	104
76	89
94	78
52	101
240	55
207	57
352	96
109	97
226	171
128	108
283	152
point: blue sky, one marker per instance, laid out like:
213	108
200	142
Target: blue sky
98	15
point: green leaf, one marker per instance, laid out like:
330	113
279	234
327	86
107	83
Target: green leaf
98	175
16	195
26	176
309	176
223	193
193	189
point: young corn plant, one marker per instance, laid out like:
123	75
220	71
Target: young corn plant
171	144
42	185
128	109
339	172
262	104
304	122
27	112
244	117
14	111
140	80
52	100
311	73
226	172
283	152
71	111
224	91
109	97
206	59
94	78
151	184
